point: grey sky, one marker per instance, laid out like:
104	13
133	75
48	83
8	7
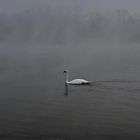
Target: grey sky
18	5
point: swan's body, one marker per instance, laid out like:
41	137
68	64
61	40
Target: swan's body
75	81
78	82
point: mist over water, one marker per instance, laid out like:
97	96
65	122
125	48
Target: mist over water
37	45
100	42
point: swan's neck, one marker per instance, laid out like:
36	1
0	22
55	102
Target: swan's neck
67	77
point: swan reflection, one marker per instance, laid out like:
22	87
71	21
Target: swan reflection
66	90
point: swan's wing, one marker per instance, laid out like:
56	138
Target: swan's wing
79	81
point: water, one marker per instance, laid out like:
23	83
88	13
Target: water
35	104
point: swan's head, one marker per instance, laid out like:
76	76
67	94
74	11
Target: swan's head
66	71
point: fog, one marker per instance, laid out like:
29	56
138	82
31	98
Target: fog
65	25
100	44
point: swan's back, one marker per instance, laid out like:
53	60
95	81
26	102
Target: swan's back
78	82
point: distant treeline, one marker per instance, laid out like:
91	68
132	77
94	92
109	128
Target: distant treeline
65	25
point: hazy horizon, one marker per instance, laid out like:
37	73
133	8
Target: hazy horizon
12	6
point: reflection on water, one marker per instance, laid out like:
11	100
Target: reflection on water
104	110
35	103
66	90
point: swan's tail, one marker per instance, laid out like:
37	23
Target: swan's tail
88	82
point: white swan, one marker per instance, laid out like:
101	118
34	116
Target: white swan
75	81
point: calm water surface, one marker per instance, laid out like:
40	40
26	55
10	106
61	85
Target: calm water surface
35	104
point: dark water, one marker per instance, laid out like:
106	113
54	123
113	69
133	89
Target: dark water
34	103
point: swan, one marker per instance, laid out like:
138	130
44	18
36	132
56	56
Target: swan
75	81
